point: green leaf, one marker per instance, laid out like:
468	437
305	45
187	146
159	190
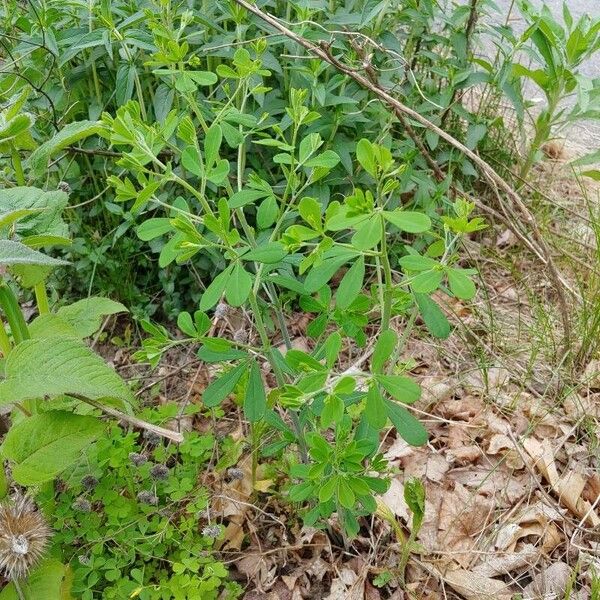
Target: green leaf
326	160
375	409
402	388
86	315
153	228
46	210
366	157
56	366
255	401
345	494
51	580
246	196
460	284
186	324
410	221
191	160
409	428
351	284
215	290
15	253
43	445
71	133
319	276
269	253
386	342
435	320
219	389
238	286
333	410
328	489
368	234
212	145
426	282
415	262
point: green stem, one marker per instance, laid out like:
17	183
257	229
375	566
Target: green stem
41	297
5	345
386	314
14	316
18	166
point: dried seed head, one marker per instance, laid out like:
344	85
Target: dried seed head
137	459
147	497
82	504
159	472
89	482
221	310
211	531
152	438
24	535
240	336
63	186
235	473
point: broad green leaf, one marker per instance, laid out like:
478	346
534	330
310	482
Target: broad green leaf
215	290
375	409
384	347
51	580
255	401
246	196
319	276
51	325
402	388
46	206
345	494
15	253
212	145
327	160
153	228
43	445
461	285
55	366
409	428
328	489
368	234
407	220
221	387
415	262
433	317
238	286
86	315
366	157
269	253
191	160
426	281
351	284
186	324
71	133
333	410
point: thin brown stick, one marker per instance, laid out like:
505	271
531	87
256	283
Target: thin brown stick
174	436
497	183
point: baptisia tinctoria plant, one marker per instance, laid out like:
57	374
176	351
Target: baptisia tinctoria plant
221	178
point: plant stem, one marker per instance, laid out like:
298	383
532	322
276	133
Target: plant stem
5	345
18	166
41	297
14	316
388	281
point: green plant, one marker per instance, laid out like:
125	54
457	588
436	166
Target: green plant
272	234
127	520
557	52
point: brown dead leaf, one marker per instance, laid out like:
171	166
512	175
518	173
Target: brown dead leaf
569	487
477	587
463	517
